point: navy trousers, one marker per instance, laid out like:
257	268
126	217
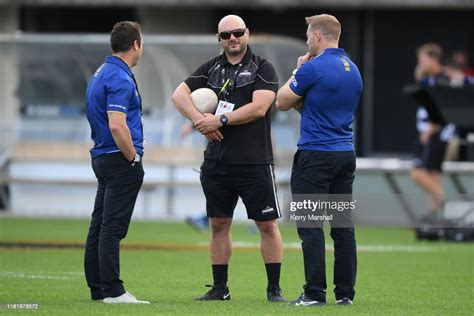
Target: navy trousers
331	174
118	187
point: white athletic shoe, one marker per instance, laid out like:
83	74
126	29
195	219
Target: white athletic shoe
125	298
344	302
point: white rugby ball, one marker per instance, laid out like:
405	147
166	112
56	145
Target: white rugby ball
205	100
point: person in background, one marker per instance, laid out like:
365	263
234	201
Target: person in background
198	222
431	143
461	59
455	74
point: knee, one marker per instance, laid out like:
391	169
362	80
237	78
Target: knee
416	174
434	174
114	229
268	229
112	234
220	225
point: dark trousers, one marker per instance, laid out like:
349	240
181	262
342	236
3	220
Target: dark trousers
118	186
327	173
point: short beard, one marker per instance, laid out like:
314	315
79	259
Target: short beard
236	52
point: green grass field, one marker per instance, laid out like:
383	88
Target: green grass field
396	274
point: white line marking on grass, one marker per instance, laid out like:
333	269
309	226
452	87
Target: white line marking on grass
395	248
41	276
72	273
364	248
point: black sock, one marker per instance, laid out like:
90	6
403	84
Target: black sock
273	274
219	273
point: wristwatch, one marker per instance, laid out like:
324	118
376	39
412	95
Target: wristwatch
224	120
135	160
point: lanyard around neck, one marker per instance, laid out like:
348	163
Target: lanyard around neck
229	82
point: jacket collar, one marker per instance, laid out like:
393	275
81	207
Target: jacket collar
334	51
119	62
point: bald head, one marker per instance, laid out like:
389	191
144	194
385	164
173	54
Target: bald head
231	22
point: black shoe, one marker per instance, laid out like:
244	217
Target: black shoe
216	293
344	302
97	298
305	301
274	294
428	219
96	295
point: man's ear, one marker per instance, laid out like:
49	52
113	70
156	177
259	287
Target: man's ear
218	37
318	34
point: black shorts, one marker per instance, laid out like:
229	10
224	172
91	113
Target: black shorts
430	156
255	184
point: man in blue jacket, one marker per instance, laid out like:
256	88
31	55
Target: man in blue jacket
330	86
114	112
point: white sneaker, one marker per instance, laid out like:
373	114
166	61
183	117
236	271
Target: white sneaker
125	298
344	302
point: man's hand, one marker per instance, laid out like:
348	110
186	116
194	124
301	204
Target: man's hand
215	136
303	59
209	123
298	106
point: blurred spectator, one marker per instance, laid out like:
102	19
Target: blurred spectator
461	60
198	222
186	129
455	74
431	144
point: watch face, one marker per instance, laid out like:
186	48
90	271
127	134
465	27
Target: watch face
224	120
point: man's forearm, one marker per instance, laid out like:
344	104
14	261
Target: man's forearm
283	96
245	114
123	140
261	102
183	102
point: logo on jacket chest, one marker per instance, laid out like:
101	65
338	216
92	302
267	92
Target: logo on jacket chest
239	78
245	73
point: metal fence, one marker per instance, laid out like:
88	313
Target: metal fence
52	72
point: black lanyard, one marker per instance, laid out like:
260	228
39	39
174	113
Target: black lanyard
227	82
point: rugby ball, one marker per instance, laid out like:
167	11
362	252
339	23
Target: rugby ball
205	100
